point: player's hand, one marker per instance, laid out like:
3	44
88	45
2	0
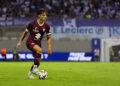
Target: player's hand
18	45
49	51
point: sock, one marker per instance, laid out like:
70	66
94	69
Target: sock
37	58
35	69
29	73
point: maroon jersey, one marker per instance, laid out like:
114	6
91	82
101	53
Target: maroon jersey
37	32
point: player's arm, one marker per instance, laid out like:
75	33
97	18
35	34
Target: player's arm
21	38
49	44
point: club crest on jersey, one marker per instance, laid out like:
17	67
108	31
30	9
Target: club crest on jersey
43	29
35	30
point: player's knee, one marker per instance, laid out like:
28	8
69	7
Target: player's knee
39	51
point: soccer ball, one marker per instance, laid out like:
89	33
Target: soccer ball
42	74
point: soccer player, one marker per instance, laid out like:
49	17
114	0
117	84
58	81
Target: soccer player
37	29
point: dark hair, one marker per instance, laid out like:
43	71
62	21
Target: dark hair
40	11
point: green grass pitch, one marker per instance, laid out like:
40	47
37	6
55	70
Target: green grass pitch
61	74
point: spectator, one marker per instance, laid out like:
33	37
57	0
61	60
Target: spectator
15	55
3	52
107	9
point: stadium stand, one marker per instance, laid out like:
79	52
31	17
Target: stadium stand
105	9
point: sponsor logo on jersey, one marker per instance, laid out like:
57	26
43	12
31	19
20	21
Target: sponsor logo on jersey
35	30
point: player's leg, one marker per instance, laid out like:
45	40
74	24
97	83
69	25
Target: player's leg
37	58
34	48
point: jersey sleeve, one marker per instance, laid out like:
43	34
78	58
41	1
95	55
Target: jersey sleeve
29	27
48	30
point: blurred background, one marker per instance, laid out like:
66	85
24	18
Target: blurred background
77	27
